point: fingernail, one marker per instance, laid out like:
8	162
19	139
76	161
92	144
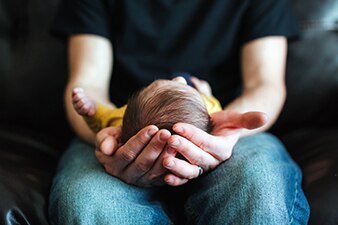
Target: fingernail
151	131
178	129
168	180
164	136
169	163
174	143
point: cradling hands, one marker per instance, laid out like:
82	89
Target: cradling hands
202	151
139	160
149	158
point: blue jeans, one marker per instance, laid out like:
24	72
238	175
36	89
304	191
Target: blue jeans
259	184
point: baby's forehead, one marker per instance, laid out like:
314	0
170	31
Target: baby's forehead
170	84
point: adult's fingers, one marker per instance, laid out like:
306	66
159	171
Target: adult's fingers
107	140
145	169
253	120
127	153
106	161
219	147
155	176
195	153
174	180
181	168
232	119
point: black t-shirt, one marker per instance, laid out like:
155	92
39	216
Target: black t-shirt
153	39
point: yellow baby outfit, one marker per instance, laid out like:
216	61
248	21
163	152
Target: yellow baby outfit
105	117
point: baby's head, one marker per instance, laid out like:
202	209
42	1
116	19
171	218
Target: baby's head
164	103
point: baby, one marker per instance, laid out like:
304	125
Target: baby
162	103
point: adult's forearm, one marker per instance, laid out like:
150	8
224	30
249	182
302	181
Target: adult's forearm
90	62
263	71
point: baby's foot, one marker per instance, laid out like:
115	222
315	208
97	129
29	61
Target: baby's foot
83	105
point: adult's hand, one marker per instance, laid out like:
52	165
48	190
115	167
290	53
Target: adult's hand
203	150
138	161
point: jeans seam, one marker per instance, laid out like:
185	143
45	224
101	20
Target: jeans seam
295	199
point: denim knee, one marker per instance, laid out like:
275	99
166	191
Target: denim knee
259	184
82	193
271	179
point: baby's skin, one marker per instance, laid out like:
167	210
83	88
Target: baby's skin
83	105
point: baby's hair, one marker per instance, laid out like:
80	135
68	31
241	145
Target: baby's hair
163	108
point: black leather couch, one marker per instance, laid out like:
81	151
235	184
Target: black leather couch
34	131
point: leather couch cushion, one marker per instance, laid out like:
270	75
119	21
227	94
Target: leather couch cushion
317	15
311	73
27	168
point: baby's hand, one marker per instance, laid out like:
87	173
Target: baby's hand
202	86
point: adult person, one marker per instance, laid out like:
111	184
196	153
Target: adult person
240	48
